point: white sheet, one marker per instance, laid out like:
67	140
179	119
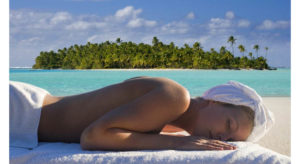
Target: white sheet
57	153
25	103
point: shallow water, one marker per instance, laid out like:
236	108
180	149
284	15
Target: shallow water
69	82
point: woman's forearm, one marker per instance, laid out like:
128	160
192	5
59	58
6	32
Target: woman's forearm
121	139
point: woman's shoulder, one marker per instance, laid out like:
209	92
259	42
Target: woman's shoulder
159	82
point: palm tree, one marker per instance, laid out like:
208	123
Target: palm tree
231	40
197	46
118	40
222	50
266	48
256	47
155	41
250	54
186	46
242	49
172	45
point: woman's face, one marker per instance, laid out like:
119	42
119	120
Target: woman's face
218	122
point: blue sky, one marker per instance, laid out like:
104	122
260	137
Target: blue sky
45	25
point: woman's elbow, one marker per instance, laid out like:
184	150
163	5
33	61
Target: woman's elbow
85	140
179	96
91	139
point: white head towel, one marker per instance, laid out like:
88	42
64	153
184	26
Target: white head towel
239	94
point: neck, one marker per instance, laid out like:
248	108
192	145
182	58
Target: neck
187	120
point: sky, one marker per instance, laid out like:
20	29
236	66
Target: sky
44	25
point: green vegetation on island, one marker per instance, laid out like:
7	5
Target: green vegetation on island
121	54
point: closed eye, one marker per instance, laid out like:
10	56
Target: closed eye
228	124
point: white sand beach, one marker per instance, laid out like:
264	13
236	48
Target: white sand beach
279	137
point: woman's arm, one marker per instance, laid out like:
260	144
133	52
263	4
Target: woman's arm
123	127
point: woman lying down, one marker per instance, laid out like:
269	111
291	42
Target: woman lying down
138	113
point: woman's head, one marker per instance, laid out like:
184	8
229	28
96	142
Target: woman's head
243	96
223	121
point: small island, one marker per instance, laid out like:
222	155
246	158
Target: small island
130	55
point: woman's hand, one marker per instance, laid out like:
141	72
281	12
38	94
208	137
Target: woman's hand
200	143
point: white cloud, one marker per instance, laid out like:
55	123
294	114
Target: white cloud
269	25
60	17
83	25
127	12
229	15
138	22
226	25
135	23
190	15
219	23
79	25
30	21
21	20
217	26
131	15
175	28
31	41
149	23
243	23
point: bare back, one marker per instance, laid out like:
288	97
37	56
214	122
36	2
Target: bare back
64	118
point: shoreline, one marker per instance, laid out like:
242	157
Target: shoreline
161	69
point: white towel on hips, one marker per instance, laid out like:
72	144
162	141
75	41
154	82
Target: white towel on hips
25	103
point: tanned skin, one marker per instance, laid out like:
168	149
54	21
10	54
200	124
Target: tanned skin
130	115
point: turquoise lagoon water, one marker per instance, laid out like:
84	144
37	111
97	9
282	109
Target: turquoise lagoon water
69	82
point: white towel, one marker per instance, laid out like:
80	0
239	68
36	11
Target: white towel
25	103
69	153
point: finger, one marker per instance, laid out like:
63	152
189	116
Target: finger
214	143
211	147
220	145
223	143
220	142
225	146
